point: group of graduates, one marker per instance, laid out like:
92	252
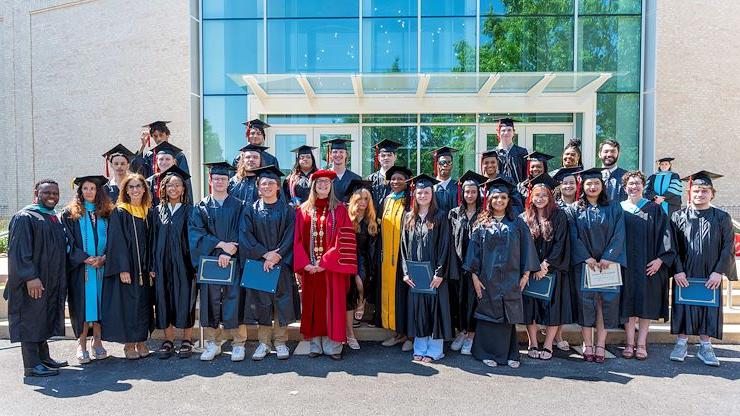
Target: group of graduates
125	253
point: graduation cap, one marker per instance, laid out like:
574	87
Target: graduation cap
335	144
174	170
98	180
506	121
117	150
498	185
539	156
422	181
303	150
269	171
442	151
666	159
323	173
703	177
357	184
253	148
166	148
562	173
398	169
385	145
256	124
220	168
592	173
544	180
485	155
468	178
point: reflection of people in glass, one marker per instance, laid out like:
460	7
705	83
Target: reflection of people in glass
255	134
704	249
664	187
339	157
243	186
385	158
297	185
649	253
511	157
597	241
445	192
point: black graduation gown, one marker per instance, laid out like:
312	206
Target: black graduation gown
649	235
267	159
37	246
341	185
446	196
301	188
153	184
512	162
266	227
379	189
559	309
144	164
428	315
366	267
614	189
126	311
668	185
244	190
209	224
597	232
704	243
76	273
174	283
463	299
112	190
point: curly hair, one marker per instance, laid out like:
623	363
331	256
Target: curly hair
633	174
575	144
103	204
370	214
163	190
146	200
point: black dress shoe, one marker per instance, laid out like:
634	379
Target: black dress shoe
40	371
52	363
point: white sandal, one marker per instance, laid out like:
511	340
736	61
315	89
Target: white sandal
513	363
490	363
352	343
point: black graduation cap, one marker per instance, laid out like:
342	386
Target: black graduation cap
666	159
256	124
506	121
386	146
499	185
156	124
471	176
119	150
398	169
702	177
542	157
269	171
220	168
443	151
98	180
253	148
422	181
338	143
167	148
562	173
357	184
303	150
176	171
543	179
590	173
488	153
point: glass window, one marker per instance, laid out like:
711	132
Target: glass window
406	155
284	143
389	45
618	117
448	118
389	8
550	144
611	43
312	8
230	46
526	7
609	7
513	44
492	140
389	118
449	8
313	45
461	138
529	117
219	9
223	132
448	44
324	148
313	119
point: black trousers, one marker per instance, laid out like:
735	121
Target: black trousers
34	352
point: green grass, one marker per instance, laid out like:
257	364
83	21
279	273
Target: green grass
4	244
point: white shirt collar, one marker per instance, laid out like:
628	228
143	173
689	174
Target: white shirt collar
176	207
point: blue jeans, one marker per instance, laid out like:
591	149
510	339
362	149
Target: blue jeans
428	347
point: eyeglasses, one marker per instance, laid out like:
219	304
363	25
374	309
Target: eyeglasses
444	162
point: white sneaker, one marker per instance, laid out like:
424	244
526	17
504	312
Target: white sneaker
261	352
407	346
458	342
283	353
238	353
211	351
466	346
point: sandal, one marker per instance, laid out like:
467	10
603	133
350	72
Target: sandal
545	354
600	358
143	350
186	349
131	353
513	363
641	355
166	351
533	352
490	363
427	360
360	310
629	351
417	358
588	357
563	345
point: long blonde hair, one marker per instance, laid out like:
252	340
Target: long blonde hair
310	203
370	215
241	168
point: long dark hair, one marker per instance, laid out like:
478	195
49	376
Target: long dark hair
478	199
544	228
603	199
164	199
486	214
103	204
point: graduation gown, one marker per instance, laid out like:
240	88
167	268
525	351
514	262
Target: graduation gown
341	185
704	243
379	189
267	159
366	255
76	273
390	290
512	162
37	246
325	293
614	189
428	315
596	232
559	309
463	299
126	311
210	223
112	190
266	227
668	185
647	229
446	196
499	253
297	187
244	190
174	283
144	164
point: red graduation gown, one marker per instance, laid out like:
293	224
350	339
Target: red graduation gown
324	294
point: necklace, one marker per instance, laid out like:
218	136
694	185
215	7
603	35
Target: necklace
318	219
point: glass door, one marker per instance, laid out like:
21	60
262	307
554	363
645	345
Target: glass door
282	140
322	134
549	139
488	138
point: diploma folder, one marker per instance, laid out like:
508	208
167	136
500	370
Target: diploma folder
540	289
697	294
585	287
255	277
421	273
211	273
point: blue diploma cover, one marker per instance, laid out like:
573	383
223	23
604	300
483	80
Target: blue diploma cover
211	273
255	277
421	273
540	289
696	294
